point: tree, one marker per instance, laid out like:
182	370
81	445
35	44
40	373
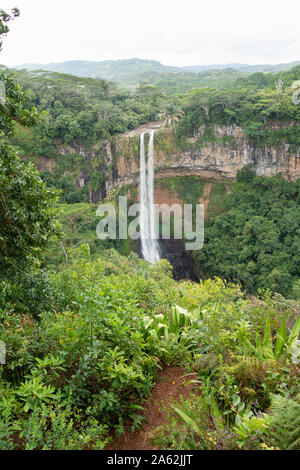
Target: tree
27	221
4	19
170	114
279	85
256	242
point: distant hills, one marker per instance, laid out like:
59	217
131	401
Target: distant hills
119	71
130	72
242	67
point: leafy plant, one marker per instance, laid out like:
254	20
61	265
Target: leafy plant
284	423
250	429
34	391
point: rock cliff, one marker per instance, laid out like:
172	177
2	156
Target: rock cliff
211	160
107	167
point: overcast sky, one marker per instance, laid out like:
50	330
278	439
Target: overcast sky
185	32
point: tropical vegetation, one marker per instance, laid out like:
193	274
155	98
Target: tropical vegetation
85	331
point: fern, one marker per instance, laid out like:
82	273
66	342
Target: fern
284	431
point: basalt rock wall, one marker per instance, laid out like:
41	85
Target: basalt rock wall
211	160
107	167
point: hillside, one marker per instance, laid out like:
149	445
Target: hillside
87	145
111	340
84	362
168	81
131	72
119	71
243	67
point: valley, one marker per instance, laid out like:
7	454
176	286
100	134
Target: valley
119	342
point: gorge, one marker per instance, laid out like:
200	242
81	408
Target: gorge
196	173
211	160
123	325
90	149
119	162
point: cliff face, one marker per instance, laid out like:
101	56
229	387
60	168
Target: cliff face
88	168
107	167
201	174
212	160
196	174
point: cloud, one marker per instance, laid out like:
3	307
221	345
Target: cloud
172	31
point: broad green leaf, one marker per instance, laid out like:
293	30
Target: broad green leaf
281	340
236	400
267	340
188	421
295	332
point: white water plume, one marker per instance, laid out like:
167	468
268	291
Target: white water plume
150	247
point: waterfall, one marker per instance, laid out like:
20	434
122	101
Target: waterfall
150	247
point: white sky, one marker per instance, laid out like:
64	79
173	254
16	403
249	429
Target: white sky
185	32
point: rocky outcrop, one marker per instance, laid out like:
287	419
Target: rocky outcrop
89	168
212	160
106	166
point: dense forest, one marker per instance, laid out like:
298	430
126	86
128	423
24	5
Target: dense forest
256	241
87	334
254	103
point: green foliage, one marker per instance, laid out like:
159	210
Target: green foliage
83	114
79	221
26	291
4	20
82	110
252	108
89	353
189	427
33	392
231	407
50	428
251	428
70	193
81	117
124	71
26	212
183	81
84	343
87	361
17	106
26	205
188	188
260	231
284	424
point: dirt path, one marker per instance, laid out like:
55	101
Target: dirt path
170	385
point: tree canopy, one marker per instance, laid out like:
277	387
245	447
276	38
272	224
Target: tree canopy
256	242
27	221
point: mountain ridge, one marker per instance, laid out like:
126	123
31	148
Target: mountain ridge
132	72
119	71
242	67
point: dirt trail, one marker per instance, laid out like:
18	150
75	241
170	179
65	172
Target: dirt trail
170	385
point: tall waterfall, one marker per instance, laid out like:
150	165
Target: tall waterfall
150	247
